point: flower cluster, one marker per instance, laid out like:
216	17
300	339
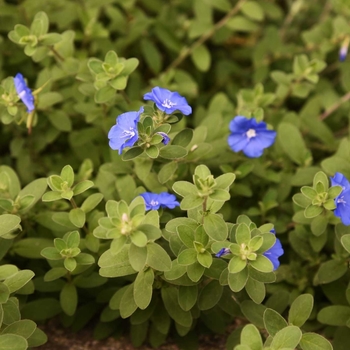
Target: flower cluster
342	202
154	201
125	132
24	93
272	254
249	136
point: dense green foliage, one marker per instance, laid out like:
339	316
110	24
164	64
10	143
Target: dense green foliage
75	238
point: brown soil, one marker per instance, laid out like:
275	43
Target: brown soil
60	338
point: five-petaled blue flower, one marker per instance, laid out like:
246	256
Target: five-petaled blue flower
274	252
168	101
249	136
222	252
124	133
154	201
342	202
24	93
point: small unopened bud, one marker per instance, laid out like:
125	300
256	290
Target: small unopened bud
193	148
344	49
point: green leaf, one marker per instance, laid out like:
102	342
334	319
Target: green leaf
243	234
215	227
256	290
345	241
330	271
23	328
143	288
172	152
138	238
187	297
170	299
54	274
313	341
187	257
251	337
8	223
127	302
236	264
105	94
167	172
183	138
12	342
252	10
274	322
91	202
157	257
191	201
300	310
288	337
262	264
132	153
69	299
253	312
237	281
334	315
201	58
241	24
205	259
82	187
210	295
319	225
292	143
195	271
77	217
308	192
70	264
312	211
18	280
67	174
37	338
116	265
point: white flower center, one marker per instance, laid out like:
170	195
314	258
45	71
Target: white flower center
251	133
22	93
168	104
154	203
129	133
341	200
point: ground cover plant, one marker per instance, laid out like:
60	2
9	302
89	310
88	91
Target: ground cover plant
169	168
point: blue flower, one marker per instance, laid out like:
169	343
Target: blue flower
166	138
340	180
342	202
274	252
168	101
24	93
222	252
154	201
249	136
124	133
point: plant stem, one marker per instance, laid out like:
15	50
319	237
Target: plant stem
336	105
185	53
204	207
61	58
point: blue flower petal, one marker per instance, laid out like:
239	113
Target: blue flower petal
168	101
24	93
154	201
275	252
